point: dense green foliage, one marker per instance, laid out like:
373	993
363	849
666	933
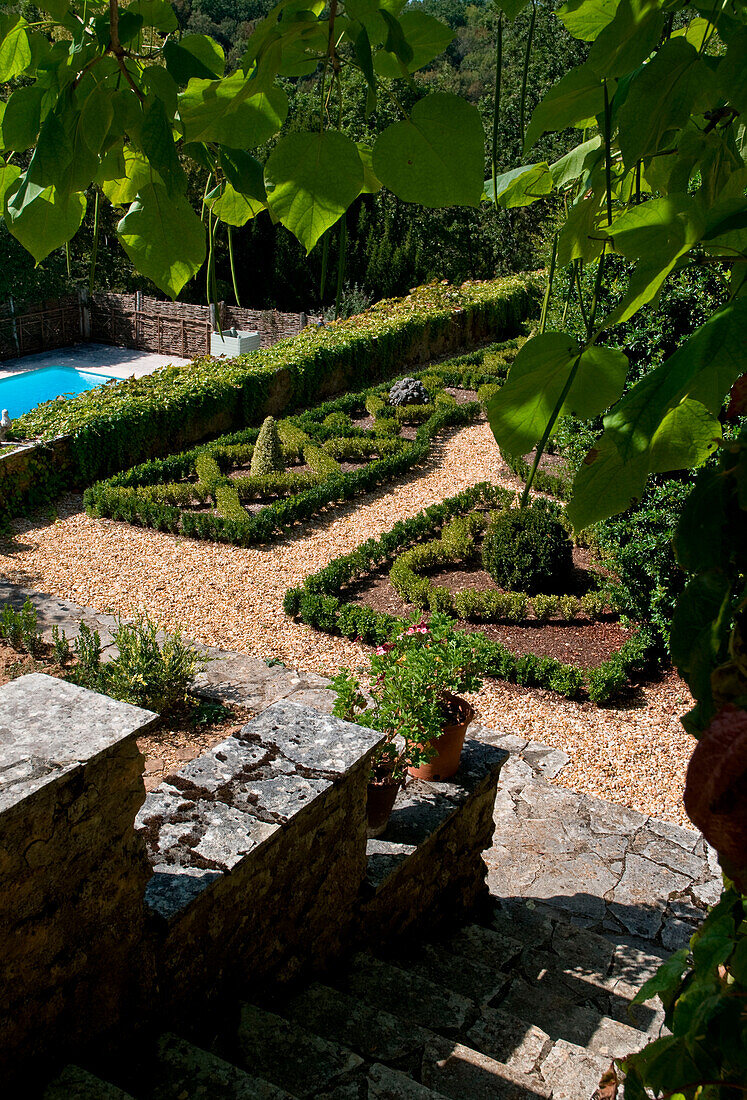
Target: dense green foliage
267	457
528	549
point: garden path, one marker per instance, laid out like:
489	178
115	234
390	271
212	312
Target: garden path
634	752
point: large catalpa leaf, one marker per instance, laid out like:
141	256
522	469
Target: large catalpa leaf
311	180
520	186
436	158
41	219
15	48
575	100
427	38
231	111
520	412
585	19
628	40
163	238
702	370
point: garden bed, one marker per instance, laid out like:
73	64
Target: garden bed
329	455
365	594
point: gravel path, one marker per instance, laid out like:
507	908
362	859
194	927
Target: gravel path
232	597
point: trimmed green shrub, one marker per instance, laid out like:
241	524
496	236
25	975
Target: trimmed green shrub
545	606
227	501
268	454
527	549
486	391
208	473
339	421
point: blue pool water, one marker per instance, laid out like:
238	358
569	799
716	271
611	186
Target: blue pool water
22	392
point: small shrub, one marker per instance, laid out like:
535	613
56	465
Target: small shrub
527	549
568	607
60	645
441	599
432	384
19	628
386	427
545	606
148	674
593	604
340	421
268	453
517	606
87	647
208	473
486	391
227	503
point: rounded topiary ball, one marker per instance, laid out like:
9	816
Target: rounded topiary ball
527	550
267	457
408	391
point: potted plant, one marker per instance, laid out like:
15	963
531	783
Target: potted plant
414	680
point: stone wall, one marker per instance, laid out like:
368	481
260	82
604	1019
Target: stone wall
72	869
246	869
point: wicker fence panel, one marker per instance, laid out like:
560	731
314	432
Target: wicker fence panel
29	328
269	323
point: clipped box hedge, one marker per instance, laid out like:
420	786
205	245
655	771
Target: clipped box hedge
118	425
320	602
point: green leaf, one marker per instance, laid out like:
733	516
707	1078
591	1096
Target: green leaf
666	979
45	221
695	638
163	238
15	48
579	162
159	82
628	40
361	9
585	19
137	175
677	81
511	8
232	111
244	172
664	1062
685	437
427	38
371	185
436	158
714	943
580	237
157	142
195	56
9	174
576	98
700	541
234	208
22	118
520	412
155	13
703	369
732	72
521	186
659	232
311	180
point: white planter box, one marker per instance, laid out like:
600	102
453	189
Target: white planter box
240	344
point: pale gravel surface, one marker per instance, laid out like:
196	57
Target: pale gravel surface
232	597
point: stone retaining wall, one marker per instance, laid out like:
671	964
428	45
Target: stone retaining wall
245	869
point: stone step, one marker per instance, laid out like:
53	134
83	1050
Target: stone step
459	1071
182	1070
373	1033
463	974
382	1083
572	1072
507	1039
406	995
75	1083
544	1005
288	1055
489	946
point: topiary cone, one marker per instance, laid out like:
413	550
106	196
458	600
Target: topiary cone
267	457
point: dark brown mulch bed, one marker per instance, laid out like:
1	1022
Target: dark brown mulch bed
580	641
462	397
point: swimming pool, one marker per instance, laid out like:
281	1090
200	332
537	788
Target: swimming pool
22	392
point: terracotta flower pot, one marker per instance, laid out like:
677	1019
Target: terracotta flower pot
379	804
449	745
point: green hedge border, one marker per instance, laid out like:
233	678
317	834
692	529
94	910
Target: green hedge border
116	426
317	602
118	497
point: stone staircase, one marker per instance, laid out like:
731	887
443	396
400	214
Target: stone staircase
523	1006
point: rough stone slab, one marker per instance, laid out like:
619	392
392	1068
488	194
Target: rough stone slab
49	727
249	682
493	948
571	1072
582	953
317	742
642	894
411	997
669	854
470	976
182	1069
383	859
509	1040
289	1056
563	1018
544	760
171	889
459	1072
75	1083
371	1032
382	1083
676	933
632	965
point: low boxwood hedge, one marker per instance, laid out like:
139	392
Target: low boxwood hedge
117	425
319	602
154	494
